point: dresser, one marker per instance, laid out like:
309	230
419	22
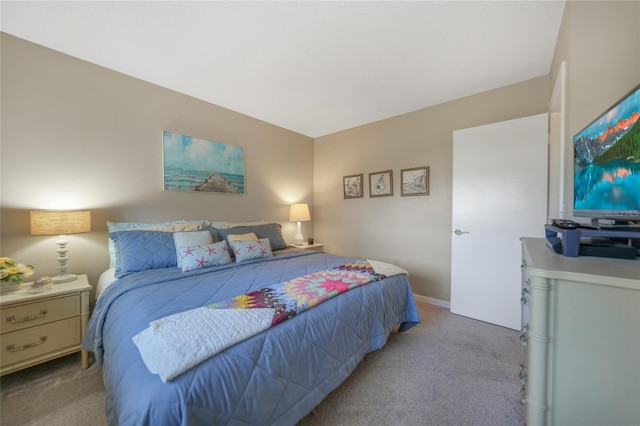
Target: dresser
38	327
580	338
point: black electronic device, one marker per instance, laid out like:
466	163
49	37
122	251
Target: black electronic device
597	247
565	223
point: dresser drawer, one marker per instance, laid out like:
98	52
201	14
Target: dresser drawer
24	315
36	341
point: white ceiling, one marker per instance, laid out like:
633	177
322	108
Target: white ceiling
312	67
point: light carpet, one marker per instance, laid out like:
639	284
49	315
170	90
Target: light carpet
448	370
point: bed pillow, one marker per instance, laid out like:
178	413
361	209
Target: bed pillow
190	239
238	237
215	233
249	223
227	225
204	256
251	249
141	250
171	226
272	231
216	224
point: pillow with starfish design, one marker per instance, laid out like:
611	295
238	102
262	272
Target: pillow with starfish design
251	249
204	256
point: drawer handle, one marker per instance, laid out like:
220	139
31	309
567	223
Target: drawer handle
13	348
526	291
13	320
523	378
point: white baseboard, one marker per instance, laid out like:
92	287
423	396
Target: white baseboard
432	301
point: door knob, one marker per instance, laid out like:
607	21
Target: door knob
459	232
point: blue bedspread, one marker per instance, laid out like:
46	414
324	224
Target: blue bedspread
274	377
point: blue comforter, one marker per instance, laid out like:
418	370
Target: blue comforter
275	377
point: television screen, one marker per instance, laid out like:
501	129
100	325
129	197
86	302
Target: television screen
607	163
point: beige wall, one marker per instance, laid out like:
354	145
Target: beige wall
76	135
600	44
414	232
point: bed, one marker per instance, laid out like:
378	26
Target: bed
276	376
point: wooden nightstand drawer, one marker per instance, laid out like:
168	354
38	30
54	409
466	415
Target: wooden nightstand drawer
42	326
20	316
36	341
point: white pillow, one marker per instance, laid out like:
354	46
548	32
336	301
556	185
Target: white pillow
205	256
251	249
190	239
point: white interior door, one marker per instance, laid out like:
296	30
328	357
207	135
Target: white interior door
499	195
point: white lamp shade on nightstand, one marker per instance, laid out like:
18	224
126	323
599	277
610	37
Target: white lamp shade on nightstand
299	213
60	222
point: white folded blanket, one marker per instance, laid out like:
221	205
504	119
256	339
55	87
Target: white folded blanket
174	344
387	269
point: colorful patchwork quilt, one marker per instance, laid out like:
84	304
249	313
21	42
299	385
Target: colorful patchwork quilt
292	297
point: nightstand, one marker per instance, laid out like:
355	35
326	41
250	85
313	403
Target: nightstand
39	327
312	247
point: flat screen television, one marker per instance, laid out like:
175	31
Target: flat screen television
606	179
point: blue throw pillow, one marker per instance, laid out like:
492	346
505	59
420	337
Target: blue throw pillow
272	231
171	226
141	250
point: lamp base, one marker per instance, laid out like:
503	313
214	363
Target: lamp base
299	239
64	278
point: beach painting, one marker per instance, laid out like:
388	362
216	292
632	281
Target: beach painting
192	164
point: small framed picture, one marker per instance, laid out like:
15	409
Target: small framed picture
381	184
414	181
352	186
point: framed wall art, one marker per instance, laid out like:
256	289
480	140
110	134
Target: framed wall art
414	181
192	164
381	184
352	186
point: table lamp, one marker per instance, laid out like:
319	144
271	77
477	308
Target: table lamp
56	222
299	213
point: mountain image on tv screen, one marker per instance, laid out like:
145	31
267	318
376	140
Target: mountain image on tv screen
607	161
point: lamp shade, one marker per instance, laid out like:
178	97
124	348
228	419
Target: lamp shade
299	212
60	222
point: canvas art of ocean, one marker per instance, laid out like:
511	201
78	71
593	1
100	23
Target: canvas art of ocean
192	164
